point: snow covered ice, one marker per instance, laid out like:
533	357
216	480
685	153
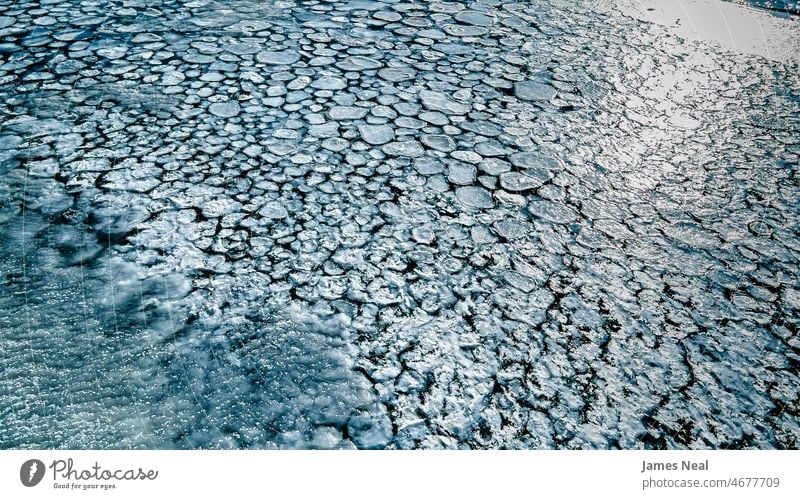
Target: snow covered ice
385	224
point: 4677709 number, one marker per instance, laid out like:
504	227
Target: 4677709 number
746	482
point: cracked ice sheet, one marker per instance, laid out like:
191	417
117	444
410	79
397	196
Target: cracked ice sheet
384	224
736	27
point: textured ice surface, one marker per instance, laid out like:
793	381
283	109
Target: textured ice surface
373	224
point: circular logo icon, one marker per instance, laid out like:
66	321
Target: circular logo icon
31	472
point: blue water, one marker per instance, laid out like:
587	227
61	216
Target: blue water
366	224
787	6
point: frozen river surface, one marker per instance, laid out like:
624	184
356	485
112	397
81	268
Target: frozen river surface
374	224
